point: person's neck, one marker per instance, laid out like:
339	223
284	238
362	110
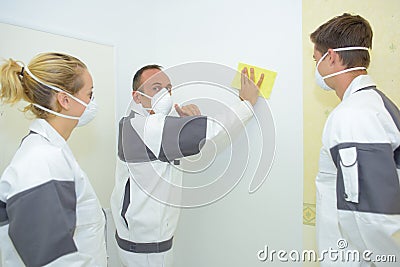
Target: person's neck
344	80
62	125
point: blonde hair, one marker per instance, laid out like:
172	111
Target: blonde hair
55	69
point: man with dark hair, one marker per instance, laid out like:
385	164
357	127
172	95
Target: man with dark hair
137	78
150	144
358	192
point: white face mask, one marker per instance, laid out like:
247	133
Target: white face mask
87	116
321	80
160	102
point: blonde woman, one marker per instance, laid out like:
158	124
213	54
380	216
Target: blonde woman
49	212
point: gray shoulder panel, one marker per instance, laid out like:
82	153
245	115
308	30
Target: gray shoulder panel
3	214
131	148
182	136
378	181
395	114
391	108
42	222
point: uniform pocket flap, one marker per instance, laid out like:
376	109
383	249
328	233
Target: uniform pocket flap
348	156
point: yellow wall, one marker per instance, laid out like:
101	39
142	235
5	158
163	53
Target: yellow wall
384	17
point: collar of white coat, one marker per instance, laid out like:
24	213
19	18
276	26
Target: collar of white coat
43	128
359	82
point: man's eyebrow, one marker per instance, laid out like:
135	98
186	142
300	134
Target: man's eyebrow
156	83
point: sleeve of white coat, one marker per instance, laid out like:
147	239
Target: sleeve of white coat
226	122
42	222
168	138
185	136
367	178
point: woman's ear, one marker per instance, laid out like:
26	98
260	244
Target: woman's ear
63	100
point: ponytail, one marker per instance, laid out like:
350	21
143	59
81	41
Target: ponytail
56	69
12	89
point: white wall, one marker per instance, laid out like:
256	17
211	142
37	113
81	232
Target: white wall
264	33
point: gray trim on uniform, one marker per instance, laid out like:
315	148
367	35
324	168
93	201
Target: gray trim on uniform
42	222
131	148
395	114
154	247
379	190
182	136
126	201
3	214
391	108
23	139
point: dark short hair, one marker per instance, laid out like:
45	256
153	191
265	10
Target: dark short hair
344	31
136	83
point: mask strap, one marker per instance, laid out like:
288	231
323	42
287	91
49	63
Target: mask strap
343	49
346	70
143	94
350	48
55	113
343	71
53	87
322	58
151	98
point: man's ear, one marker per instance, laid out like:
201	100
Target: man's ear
63	100
136	97
333	57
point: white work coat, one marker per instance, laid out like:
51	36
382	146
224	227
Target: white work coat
358	192
49	214
148	148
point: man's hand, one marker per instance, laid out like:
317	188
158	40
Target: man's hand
188	110
249	90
